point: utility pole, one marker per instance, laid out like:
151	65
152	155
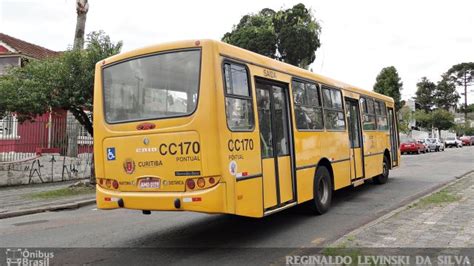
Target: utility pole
465	98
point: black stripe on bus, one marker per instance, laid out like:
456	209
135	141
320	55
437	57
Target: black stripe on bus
373	154
314	165
242	178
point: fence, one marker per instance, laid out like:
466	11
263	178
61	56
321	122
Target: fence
53	147
46	134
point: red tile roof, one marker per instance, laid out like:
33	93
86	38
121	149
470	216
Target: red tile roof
27	48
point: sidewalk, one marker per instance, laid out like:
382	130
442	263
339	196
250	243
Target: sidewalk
21	200
442	219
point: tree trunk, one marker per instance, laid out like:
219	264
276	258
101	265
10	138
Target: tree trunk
81	8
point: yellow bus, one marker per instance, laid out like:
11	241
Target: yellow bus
209	127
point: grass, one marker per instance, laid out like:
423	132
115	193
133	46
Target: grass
438	198
63	192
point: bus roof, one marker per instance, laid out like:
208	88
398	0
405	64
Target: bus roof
247	56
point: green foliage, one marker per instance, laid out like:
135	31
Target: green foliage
389	83
470	108
445	95
405	115
463	129
290	35
438	118
255	33
424	94
438	198
65	82
62	192
462	74
469	131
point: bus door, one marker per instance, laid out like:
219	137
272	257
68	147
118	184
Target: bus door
393	136
355	138
275	142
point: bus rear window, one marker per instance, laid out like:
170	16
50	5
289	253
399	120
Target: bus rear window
152	87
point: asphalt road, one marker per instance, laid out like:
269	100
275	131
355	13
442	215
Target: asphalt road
194	238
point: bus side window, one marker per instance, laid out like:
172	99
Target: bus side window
238	99
381	112
369	114
307	104
333	111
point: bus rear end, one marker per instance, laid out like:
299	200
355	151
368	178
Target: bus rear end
151	107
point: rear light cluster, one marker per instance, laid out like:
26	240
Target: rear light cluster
201	182
108	183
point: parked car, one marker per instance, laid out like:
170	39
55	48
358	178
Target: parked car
453	142
412	146
427	146
472	140
466	140
435	144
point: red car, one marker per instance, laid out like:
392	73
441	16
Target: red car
412	146
466	140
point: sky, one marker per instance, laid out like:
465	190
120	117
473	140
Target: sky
358	38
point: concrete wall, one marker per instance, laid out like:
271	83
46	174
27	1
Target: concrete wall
44	169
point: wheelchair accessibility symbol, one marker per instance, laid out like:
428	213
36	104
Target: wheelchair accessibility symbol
110	154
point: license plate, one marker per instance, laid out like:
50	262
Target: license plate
153	183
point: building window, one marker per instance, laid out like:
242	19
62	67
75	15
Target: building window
8	127
333	110
308	109
238	98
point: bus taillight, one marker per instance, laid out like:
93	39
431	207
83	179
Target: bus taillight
201	182
115	184
190	183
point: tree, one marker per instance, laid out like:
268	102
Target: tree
255	33
389	83
64	82
470	108
442	120
298	35
463	75
439	118
290	35
82	7
424	94
446	96
405	116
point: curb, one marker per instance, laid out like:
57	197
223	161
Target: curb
417	197
59	207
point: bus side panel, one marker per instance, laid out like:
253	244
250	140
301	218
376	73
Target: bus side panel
341	171
249	197
98	123
335	147
373	153
239	155
305	184
308	153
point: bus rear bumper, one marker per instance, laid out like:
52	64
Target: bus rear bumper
210	200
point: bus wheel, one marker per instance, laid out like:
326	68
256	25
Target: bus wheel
382	178
322	191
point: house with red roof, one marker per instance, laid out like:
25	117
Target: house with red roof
48	131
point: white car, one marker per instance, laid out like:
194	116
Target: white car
453	142
435	144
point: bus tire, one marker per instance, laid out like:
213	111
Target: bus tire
382	178
322	191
